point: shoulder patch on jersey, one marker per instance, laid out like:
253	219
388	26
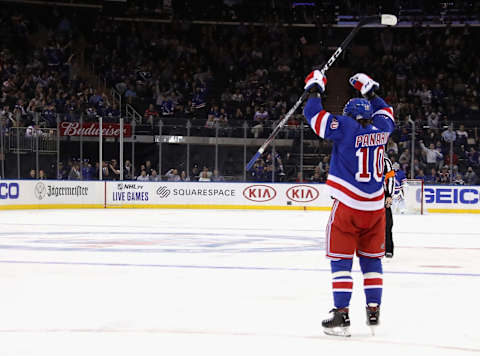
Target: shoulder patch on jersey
334	124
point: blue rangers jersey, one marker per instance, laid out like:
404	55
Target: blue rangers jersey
356	166
400	181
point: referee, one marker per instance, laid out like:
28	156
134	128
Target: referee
389	185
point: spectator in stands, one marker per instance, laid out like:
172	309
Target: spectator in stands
154	177
404	159
213	117
418	165
167	106
392	147
445	175
75	173
105	171
88	172
41	174
420	175
204	177
425	95
143	177
449	135
148	167
471	177
433	177
259	119
114	170
151	115
62	171
32	174
127	170
404	140
238	116
462	136
195	173
130	93
238	97
216	177
300	178
199	101
172	175
433	119
112	113
317	176
432	155
49	115
458	180
473	157
33	131
258	171
184	177
223	123
207	171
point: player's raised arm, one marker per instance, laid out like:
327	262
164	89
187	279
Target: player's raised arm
323	123
316	116
382	116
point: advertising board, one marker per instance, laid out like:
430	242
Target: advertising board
53	194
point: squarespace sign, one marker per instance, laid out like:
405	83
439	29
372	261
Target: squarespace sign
164	192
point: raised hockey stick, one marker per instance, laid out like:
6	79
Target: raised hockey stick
385	19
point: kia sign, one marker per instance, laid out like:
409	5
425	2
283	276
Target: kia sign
259	193
93	129
302	193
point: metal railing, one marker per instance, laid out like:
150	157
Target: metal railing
183	144
132	114
31	139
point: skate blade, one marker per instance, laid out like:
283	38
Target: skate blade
343	331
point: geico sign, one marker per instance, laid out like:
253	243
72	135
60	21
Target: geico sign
9	190
259	193
451	195
302	193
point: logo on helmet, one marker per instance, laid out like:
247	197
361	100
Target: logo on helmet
334	124
358	108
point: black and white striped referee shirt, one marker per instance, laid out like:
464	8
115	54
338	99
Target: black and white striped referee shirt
389	173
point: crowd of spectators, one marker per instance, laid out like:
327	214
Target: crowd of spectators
76	169
221	77
41	83
431	78
211	75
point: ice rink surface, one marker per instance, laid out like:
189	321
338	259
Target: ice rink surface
190	282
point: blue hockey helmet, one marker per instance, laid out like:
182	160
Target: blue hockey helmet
358	108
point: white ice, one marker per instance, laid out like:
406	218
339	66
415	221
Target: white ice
190	282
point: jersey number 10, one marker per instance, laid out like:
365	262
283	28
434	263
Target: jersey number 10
363	155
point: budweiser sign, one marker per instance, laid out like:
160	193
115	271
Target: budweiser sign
93	129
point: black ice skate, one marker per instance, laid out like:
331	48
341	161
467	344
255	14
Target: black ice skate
373	316
338	324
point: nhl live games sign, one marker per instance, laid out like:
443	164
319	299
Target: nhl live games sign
93	129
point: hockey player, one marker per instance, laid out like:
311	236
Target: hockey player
355	182
389	185
398	204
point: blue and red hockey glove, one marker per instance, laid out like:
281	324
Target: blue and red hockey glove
364	84
315	79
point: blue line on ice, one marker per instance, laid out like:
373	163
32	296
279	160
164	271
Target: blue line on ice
240	268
